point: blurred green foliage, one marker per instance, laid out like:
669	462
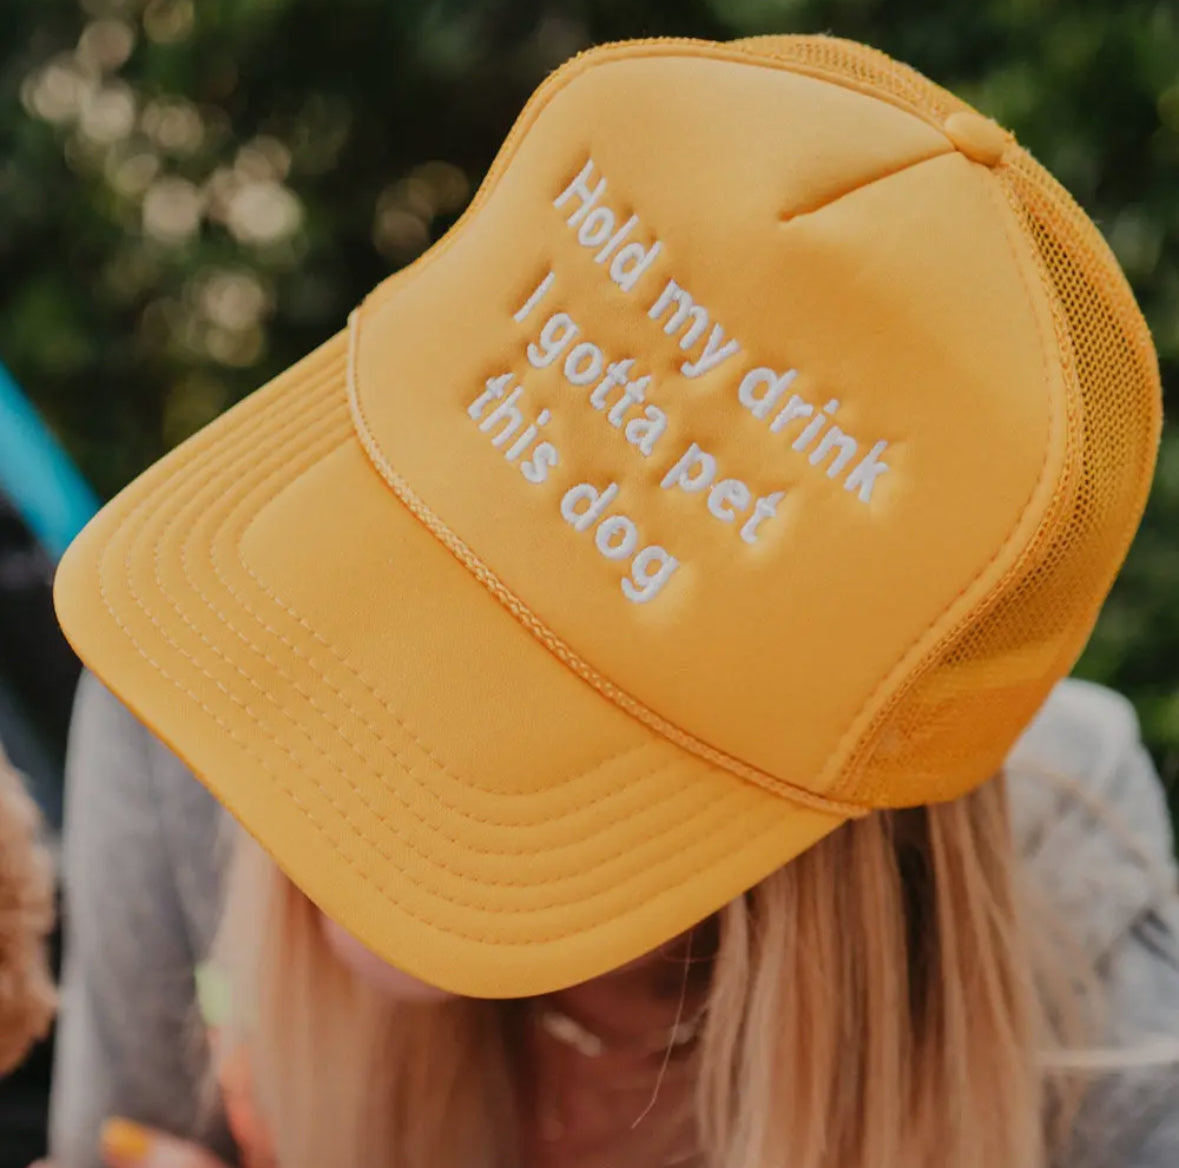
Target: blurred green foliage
194	194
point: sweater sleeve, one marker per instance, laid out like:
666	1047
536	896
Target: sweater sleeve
1094	828
1144	1102
1137	1107
141	892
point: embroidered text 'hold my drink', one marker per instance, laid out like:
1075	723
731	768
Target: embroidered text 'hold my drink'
809	430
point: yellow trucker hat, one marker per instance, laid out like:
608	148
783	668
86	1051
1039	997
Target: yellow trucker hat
755	452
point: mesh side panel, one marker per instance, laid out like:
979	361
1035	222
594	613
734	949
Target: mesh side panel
953	723
953	726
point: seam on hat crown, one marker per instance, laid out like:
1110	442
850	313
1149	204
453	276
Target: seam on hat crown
830	200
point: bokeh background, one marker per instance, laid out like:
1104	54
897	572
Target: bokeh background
194	193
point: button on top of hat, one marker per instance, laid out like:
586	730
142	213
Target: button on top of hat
980	139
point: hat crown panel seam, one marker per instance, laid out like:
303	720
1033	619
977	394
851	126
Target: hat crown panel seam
901	168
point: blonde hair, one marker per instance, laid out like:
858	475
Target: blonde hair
877	1003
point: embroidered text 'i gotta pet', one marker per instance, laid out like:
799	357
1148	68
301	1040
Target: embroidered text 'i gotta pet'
618	389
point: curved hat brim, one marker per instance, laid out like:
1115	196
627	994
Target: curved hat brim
420	766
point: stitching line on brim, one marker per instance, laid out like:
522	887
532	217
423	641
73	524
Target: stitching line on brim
275	463
346	820
298	421
558	647
375	693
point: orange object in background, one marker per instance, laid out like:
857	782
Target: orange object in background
27	996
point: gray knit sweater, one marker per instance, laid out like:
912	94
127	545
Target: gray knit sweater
142	871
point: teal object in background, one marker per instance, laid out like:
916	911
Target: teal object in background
37	475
